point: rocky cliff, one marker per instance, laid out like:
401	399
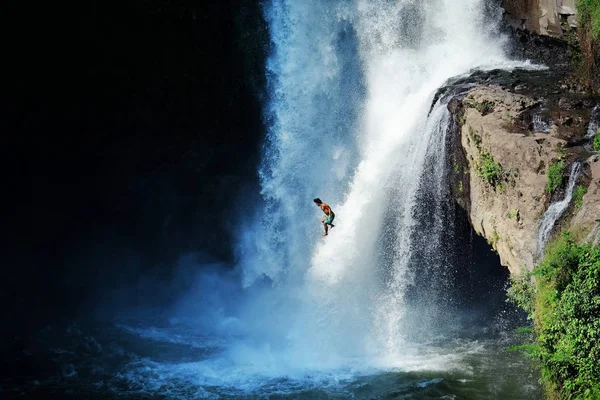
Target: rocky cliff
515	131
558	34
546	17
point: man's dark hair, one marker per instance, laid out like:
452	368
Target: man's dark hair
317	200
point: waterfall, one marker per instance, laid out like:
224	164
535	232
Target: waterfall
556	210
594	125
351	84
539	125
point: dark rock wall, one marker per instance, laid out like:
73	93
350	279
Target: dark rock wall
551	32
522	14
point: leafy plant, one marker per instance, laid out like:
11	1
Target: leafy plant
578	196
485	107
455	165
524	330
488	169
460	187
565	305
562	153
589	13
555	176
513	213
521	292
493	241
474	137
597	142
500	187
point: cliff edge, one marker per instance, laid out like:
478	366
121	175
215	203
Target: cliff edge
523	145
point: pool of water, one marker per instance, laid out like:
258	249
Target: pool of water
131	358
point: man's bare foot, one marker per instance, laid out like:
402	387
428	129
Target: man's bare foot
324	234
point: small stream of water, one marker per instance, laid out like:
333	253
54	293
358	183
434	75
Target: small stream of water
556	210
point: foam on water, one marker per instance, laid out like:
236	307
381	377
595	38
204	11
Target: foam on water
351	85
359	144
234	372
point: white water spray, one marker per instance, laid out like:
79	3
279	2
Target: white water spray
556	210
594	125
352	83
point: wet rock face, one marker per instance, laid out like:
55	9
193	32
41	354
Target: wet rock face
522	14
544	31
511	128
541	49
545	17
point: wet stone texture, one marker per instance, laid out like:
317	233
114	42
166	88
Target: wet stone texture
511	127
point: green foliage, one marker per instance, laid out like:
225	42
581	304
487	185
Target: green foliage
566	313
555	176
529	350
474	137
597	142
589	13
578	196
501	187
455	165
521	292
513	213
460	187
562	153
485	107
493	241
488	169
524	330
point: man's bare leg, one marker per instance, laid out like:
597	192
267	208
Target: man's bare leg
325	226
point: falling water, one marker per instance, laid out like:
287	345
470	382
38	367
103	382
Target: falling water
352	83
556	210
540	125
594	125
351	87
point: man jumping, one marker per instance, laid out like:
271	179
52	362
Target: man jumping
329	215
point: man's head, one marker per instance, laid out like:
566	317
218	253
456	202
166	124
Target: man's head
318	201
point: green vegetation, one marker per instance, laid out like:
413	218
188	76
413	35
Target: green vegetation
564	304
485	107
578	196
455	165
562	153
589	16
474	137
597	142
488	169
524	330
588	47
513	213
555	176
521	292
460	187
493	241
501	187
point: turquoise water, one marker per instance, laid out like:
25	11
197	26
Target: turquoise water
132	359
